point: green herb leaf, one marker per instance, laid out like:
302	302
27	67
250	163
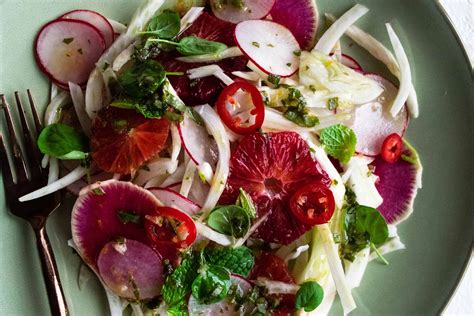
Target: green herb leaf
128	217
211	285
238	260
142	79
231	220
165	25
333	103
178	284
191	46
68	40
244	200
273	79
295	108
309	296
63	142
363	225
172	100
339	141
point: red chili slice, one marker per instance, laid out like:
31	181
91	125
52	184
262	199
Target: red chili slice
170	225
246	121
392	148
313	204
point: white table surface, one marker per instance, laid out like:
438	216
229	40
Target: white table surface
461	13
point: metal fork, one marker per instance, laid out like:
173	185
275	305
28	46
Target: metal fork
37	211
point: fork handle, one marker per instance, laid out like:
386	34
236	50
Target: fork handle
57	301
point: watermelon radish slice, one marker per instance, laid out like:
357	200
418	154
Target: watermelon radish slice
173	199
398	184
251	10
97	20
131	269
67	50
196	141
96	216
270	168
269	45
373	121
224	307
300	17
350	62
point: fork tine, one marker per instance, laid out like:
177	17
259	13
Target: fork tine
36	118
33	153
19	162
6	172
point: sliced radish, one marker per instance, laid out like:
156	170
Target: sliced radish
351	63
300	17
173	199
197	142
96	216
373	121
67	50
224	307
271	46
251	10
97	20
131	269
398	184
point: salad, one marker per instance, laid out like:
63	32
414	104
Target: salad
225	160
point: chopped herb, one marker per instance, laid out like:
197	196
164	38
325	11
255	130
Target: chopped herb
68	40
288	64
80	51
295	109
98	191
270	45
312	88
274	79
256	44
106	66
297	53
333	103
128	217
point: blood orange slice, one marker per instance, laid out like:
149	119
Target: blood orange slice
271	167
122	140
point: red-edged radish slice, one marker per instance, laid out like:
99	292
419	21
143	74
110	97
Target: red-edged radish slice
269	45
373	121
351	63
251	10
67	50
173	199
197	142
131	269
224	307
97	20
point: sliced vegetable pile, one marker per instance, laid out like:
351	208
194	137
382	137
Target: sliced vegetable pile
224	161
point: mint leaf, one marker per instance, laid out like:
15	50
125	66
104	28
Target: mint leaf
63	142
309	296
211	285
238	260
178	284
339	141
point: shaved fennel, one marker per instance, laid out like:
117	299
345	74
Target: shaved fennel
79	105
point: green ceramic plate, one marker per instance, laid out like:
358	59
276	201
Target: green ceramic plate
418	281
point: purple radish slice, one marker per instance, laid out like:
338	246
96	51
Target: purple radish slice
98	216
196	141
351	63
97	20
173	199
131	269
251	10
269	45
224	307
67	50
300	17
398	185
373	121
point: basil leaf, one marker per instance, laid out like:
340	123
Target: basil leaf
309	296
339	141
231	220
191	46
174	101
63	142
244	200
363	225
238	260
142	79
166	25
211	285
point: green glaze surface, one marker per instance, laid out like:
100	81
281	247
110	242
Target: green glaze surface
418	281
